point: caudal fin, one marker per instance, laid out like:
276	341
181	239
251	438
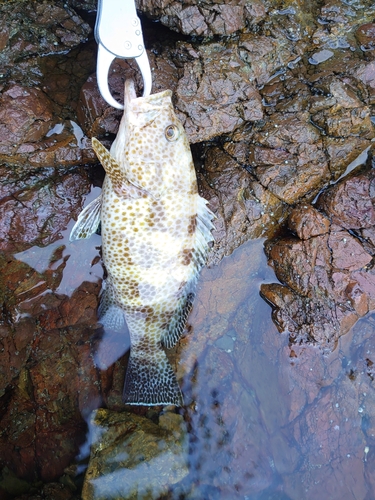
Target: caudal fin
150	380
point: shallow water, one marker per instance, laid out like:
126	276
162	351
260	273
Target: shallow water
263	419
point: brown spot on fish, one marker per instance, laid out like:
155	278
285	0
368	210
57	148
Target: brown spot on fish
192	224
194	187
167	316
185	257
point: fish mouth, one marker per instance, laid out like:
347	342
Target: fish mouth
130	95
130	92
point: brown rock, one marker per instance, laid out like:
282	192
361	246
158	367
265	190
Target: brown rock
329	280
39	213
155	458
24	116
14	352
349	203
366	74
214	94
347	252
295	165
243	208
365	35
307	222
46	28
207	18
342	151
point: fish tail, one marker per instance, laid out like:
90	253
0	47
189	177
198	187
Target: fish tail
150	380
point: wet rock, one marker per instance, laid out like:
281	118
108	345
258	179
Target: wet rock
15	351
46	28
214	94
350	203
244	209
50	491
47	375
40	213
333	433
289	158
365	35
335	19
131	457
48	399
29	135
10	484
306	222
207	18
327	276
344	116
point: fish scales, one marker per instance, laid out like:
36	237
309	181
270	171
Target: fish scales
156	231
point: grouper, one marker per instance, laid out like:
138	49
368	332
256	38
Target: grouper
156	233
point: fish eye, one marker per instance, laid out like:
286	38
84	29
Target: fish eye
172	133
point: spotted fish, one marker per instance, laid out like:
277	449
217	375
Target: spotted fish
156	231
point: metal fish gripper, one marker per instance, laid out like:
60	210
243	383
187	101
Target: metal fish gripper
118	32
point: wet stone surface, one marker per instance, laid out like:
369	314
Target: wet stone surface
158	458
326	271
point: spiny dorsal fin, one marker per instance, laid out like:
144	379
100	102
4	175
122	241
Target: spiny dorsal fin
88	221
120	183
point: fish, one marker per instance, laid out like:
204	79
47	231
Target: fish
156	233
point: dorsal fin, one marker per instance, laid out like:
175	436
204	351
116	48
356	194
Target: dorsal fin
120	183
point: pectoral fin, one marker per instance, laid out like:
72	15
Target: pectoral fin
120	183
88	221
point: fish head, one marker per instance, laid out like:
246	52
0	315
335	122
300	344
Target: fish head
153	149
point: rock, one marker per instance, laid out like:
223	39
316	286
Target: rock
12	485
243	208
350	204
328	282
48	315
307	222
46	28
289	159
214	94
365	35
205	19
327	436
27	132
39	213
132	457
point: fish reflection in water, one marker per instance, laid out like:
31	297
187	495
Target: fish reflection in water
156	231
